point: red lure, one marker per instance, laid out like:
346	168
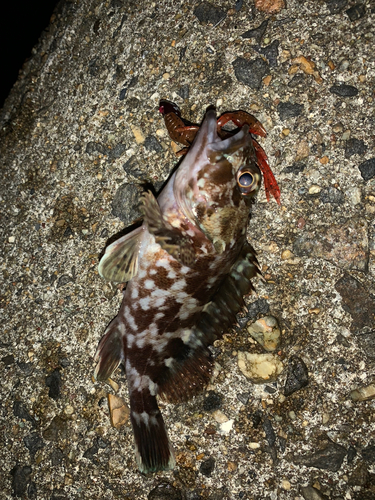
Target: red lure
183	132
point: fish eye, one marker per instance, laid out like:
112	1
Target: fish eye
248	180
245	179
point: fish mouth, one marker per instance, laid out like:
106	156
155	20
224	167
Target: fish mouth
207	149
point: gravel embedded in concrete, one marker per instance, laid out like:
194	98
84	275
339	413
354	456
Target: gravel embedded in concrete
80	123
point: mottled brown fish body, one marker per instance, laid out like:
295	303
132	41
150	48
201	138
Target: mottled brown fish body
188	267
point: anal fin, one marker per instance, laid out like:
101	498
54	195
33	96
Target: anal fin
187	377
110	351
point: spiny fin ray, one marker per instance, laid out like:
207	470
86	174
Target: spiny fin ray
110	352
119	264
169	239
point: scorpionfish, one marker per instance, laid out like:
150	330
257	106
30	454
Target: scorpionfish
188	267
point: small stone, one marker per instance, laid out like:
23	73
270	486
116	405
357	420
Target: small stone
354	195
125	203
152	144
260	367
366	341
208	13
266	332
20	411
139	137
285	484
297	376
296	168
354	147
301	222
297	81
161	133
33	443
219	417
357	302
256	33
244	397
57	429
352	453
336	6
324	160
184	91
286	131
314	189
164	491
21	479
368	453
346	135
68	410
260	306
286	255
250	73
207	467
166	76
213	401
364	393
53	381
344	90
344	65
270	52
308	67
367	169
118	410
117	151
232	466
11	239
289	110
64	280
270	6
269	432
359	476
226	427
332	195
325	418
8	360
338	128
311	493
303	151
267	80
254	446
329	457
356	12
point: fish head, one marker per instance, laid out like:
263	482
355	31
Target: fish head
216	181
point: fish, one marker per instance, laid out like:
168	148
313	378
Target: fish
187	268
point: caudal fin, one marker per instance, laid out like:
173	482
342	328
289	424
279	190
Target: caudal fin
152	447
110	351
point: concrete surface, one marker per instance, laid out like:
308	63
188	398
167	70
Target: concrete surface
82	122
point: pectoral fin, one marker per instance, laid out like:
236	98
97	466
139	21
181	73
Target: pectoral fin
120	262
169	238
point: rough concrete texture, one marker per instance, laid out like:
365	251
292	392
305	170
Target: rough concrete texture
82	123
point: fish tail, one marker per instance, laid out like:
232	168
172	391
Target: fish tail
110	351
153	449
